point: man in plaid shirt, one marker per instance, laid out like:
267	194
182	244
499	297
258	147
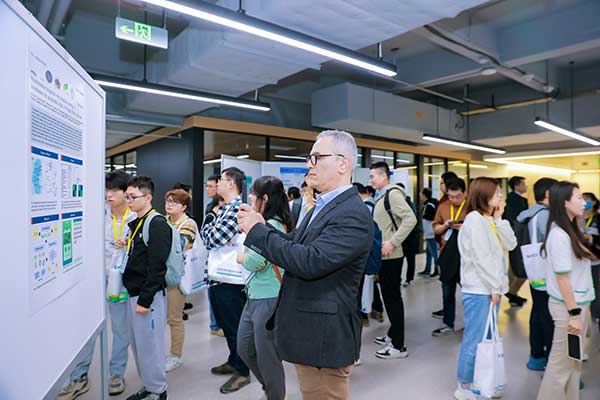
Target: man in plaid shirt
226	299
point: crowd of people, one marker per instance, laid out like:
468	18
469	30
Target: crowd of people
306	255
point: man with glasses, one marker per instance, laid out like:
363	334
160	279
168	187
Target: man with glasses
116	217
211	192
447	222
227	299
316	321
144	279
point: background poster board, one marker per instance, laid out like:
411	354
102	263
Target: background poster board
53	118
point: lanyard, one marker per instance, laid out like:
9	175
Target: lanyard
452	216
589	221
117	234
137	228
493	228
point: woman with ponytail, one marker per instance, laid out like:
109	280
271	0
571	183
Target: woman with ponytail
570	287
256	346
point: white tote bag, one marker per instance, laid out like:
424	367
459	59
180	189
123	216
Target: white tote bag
490	374
222	262
115	291
194	276
535	264
367	294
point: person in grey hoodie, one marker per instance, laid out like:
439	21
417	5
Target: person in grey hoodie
541	326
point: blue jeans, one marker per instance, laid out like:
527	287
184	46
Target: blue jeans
213	322
432	253
120	344
476	308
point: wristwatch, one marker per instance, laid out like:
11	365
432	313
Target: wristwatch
575	312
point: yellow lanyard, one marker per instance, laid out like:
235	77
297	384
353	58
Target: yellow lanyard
589	221
117	234
137	228
452	217
493	227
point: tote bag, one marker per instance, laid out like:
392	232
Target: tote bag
194	276
490	374
222	262
115	291
367	294
535	264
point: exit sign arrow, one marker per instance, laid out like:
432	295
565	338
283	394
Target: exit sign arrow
138	32
126	29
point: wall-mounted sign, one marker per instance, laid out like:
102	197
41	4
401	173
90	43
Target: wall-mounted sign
149	35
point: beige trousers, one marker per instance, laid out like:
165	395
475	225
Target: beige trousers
175	303
562	375
324	383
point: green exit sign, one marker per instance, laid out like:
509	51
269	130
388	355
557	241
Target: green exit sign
149	35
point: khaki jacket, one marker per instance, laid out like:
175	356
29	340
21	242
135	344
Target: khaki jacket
404	215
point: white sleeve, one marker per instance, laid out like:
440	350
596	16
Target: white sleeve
487	268
506	233
559	248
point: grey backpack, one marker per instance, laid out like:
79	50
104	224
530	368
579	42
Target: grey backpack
175	261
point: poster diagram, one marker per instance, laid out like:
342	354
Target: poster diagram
44	180
45	236
292	176
72	182
72	240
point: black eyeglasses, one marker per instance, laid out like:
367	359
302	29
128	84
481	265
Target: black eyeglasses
314	158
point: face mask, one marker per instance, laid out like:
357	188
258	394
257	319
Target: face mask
588	205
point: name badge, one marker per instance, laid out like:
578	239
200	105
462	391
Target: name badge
448	234
592	231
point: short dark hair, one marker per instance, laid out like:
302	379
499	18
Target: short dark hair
456	184
304	184
293	192
144	183
514	181
116	180
183	186
541	186
448	176
215	178
371	190
238	177
360	187
481	192
381	165
427	193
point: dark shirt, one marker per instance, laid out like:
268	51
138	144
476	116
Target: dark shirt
146	266
515	203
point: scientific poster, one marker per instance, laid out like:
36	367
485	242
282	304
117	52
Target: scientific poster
57	175
291	176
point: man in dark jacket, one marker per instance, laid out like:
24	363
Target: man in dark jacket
516	202
317	324
144	279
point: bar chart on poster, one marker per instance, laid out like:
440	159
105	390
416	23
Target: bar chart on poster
53	150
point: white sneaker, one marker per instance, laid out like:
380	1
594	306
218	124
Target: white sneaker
383	340
390	352
585	357
173	363
462	393
357	363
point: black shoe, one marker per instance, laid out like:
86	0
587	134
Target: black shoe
141	394
423	273
188	306
438	314
235	383
521	299
435	273
514	300
185	316
153	396
223	369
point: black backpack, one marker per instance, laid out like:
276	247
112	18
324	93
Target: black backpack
521	230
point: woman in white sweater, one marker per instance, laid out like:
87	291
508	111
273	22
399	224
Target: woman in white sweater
482	242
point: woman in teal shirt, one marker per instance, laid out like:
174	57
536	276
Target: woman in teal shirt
256	346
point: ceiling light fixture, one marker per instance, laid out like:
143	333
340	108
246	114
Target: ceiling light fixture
488	71
143	87
460	143
217	160
282	156
535	167
563	131
546	155
254	26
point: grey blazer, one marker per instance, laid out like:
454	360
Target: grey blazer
316	320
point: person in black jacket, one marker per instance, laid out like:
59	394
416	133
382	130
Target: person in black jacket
410	246
144	279
516	202
316	322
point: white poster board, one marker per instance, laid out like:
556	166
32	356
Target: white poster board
290	173
362	175
53	117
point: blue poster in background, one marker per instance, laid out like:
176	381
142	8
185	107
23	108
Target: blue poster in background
292	176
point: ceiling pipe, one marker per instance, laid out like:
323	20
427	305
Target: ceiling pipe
44	12
60	13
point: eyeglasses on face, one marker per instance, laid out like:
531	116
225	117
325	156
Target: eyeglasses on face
314	158
130	199
171	202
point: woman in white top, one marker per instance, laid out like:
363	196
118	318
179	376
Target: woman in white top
482	242
569	284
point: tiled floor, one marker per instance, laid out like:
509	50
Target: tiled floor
428	373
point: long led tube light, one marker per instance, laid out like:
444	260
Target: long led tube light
254	26
573	135
459	143
161	90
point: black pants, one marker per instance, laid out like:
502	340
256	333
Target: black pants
449	302
228	303
541	325
390	277
595	306
377	302
411	260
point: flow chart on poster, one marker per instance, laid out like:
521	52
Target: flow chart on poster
57	106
